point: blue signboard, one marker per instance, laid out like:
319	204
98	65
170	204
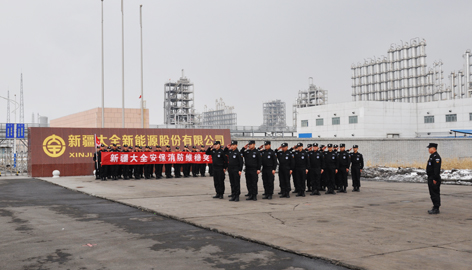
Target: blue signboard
20	131
10	131
14	160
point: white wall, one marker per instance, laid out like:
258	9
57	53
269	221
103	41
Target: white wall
376	119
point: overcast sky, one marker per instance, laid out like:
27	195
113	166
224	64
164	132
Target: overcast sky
246	52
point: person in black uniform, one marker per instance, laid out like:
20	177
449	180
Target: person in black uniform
137	168
158	167
252	159
96	164
332	165
203	165
120	167
108	168
220	163
301	169
124	167
433	170
308	149
269	166
357	164
235	168
102	168
344	164
177	167
337	179
286	165
323	175
186	166
148	167
114	168
316	169
168	166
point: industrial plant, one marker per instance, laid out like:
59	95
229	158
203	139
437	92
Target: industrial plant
179	103
313	96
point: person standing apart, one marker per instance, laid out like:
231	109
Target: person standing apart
433	170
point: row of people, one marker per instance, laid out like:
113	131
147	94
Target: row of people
148	171
314	166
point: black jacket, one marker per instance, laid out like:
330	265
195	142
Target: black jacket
344	159
218	157
301	159
269	159
331	160
252	158
316	160
235	159
433	168
286	160
357	160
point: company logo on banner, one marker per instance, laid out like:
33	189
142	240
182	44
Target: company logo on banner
54	146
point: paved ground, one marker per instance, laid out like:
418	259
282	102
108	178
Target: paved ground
385	226
44	226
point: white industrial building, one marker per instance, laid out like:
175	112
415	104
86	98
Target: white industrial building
380	119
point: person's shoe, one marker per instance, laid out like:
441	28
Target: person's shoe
295	191
315	192
342	190
269	197
221	196
249	198
433	211
287	195
301	194
247	195
265	197
230	195
254	197
217	196
263	194
280	193
236	198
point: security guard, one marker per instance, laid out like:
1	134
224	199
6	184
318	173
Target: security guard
286	165
186	166
137	168
357	164
203	165
235	168
301	169
102	168
323	175
344	164
220	163
125	167
109	168
114	168
433	170
96	164
316	169
177	167
168	166
148	167
158	167
252	159
269	166
308	149
195	166
332	165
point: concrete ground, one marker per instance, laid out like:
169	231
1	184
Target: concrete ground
44	226
385	226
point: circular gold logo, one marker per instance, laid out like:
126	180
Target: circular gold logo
54	146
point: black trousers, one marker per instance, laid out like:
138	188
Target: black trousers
186	169
300	178
251	181
284	180
342	174
338	182
235	182
330	178
315	179
219	180
148	170
294	179
97	169
158	169
323	179
138	170
309	178
202	169
103	171
210	169
268	181
434	191
125	171
356	177
177	170
168	168
195	169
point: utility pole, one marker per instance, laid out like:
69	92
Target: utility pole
22	102
123	65
142	96
103	79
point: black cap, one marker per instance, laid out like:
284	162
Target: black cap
335	146
137	146
177	147
216	143
186	146
435	145
158	146
330	145
315	144
102	145
284	144
168	146
308	145
108	147
267	143
252	142
355	146
140	147
125	145
299	144
119	147
194	147
202	145
322	146
342	145
114	144
234	142
98	146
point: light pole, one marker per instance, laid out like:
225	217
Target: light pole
123	65
142	97
103	79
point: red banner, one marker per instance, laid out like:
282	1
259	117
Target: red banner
141	158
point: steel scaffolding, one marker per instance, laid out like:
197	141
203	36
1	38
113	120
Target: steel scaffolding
222	116
179	103
274	114
313	96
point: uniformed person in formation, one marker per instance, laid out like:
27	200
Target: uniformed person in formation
433	170
137	168
344	164
168	167
308	149
323	175
252	159
186	166
357	164
220	163
114	168
269	166
148	167
158	167
203	165
102	168
177	167
195	166
286	165
235	168
125	168
301	169
316	169
96	164
332	165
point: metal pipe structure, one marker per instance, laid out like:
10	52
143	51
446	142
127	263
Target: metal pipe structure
142	86
103	79
123	65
